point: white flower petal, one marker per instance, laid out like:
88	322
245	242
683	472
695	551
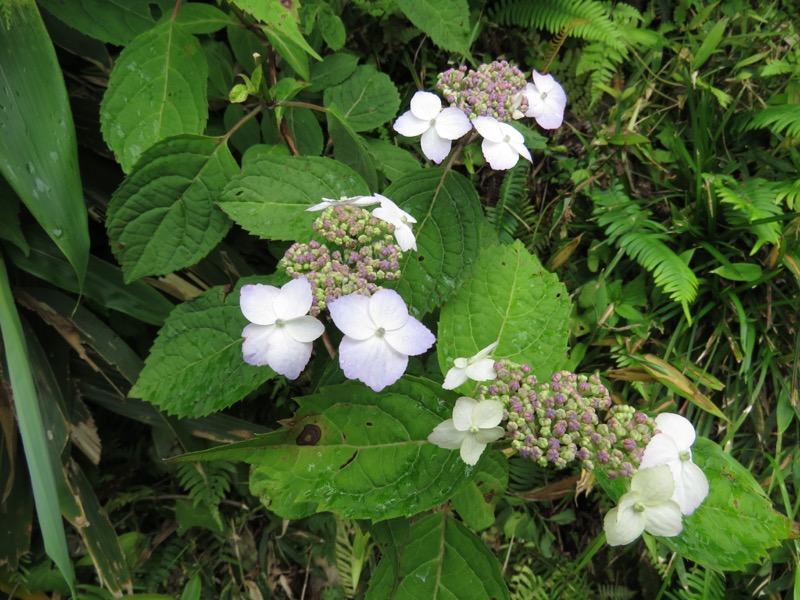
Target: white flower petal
294	299
256	341
435	147
679	428
486	351
285	355
623	528
522	151
452	123
320	206
405	238
411	339
410	126
653	485
426	105
492	434
305	328
513	136
471	450
482	370
487	413
660	450
372	361
388	310
691	488
462	413
663	519
499	155
256	302
489	128
351	315
445	435
454	378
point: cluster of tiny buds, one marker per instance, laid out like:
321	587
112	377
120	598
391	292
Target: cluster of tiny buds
494	90
557	422
362	254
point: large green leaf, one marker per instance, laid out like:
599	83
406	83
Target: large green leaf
103	282
41	466
446	22
736	524
164	216
157	89
270	196
350	450
448	216
476	503
437	558
113	21
350	148
367	99
38	151
195	366
511	299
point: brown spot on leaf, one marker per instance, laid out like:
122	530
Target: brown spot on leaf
309	436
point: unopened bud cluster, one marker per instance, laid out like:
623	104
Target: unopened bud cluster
557	422
356	252
494	90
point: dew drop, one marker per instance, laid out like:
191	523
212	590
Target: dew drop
57	232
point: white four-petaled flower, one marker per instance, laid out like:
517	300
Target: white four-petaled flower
546	101
438	127
672	447
474	425
379	336
502	144
391	213
647	507
344	201
280	330
478	368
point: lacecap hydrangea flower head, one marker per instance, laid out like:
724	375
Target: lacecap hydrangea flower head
487	98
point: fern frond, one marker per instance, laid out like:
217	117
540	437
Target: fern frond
614	592
703	584
352	552
601	63
586	19
780	119
628	227
748	202
206	483
554	46
789	192
505	215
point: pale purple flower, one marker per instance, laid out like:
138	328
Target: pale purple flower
344	201
502	144
280	331
478	368
437	127
672	447
379	336
391	213
647	507
473	426
546	101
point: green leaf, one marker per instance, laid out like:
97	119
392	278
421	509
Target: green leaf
157	89
282	31
736	524
270	196
195	366
10	229
449	216
333	69
163	217
331	27
113	21
38	151
306	130
511	299
202	18
103	282
32	431
710	43
477	501
350	450
366	100
441	559
446	22
350	148
395	162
